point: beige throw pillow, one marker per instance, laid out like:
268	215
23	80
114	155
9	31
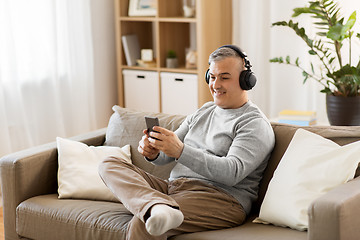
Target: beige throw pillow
78	169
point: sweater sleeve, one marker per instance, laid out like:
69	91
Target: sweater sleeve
251	146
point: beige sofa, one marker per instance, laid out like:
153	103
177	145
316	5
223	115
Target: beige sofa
32	209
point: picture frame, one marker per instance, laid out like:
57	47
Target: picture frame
142	8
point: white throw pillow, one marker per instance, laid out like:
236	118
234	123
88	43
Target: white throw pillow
311	166
78	169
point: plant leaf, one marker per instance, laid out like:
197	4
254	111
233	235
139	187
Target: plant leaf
331	60
298	11
312	68
277	60
312	52
337	33
326	90
287	59
306	75
351	21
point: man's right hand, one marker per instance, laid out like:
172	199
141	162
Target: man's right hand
146	149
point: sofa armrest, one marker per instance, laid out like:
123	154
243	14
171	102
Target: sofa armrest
336	215
32	172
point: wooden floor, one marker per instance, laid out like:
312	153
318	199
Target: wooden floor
1	225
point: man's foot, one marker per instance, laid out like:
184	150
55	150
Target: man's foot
162	219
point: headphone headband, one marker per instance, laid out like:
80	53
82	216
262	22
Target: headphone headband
236	49
240	53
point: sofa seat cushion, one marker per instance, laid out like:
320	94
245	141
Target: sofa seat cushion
247	231
47	217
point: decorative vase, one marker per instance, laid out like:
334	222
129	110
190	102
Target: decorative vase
189	8
343	111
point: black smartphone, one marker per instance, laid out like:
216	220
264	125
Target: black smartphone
150	123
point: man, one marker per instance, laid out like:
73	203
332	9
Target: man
221	152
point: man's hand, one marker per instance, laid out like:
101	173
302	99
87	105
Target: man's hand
168	142
146	149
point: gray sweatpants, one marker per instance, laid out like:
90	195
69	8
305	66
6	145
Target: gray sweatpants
204	207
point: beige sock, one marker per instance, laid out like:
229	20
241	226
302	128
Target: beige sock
162	219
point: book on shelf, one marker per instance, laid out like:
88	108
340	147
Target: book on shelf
300	118
131	48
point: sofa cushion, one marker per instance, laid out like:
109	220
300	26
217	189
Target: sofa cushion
47	217
78	169
126	127
311	166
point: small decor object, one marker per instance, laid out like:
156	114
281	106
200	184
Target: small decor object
339	79
191	59
147	60
142	8
146	64
147	55
171	59
189	8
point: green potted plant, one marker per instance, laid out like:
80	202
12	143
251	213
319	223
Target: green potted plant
339	77
171	59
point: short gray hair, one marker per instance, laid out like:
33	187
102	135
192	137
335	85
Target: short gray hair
222	53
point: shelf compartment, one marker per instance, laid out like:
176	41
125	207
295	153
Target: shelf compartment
143	30
174	36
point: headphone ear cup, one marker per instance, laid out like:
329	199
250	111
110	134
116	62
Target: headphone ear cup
207	77
247	80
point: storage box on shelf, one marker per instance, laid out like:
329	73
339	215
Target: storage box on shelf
179	93
170	30
141	90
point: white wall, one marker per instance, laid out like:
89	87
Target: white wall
103	27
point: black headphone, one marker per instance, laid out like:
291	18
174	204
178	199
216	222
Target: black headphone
247	78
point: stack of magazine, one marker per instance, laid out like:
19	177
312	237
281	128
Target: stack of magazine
300	118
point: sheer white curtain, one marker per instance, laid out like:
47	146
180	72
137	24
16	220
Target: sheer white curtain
46	71
279	86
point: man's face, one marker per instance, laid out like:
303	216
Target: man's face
224	83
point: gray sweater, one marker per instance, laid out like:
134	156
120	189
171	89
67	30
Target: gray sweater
227	148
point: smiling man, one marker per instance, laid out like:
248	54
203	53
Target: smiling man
221	151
